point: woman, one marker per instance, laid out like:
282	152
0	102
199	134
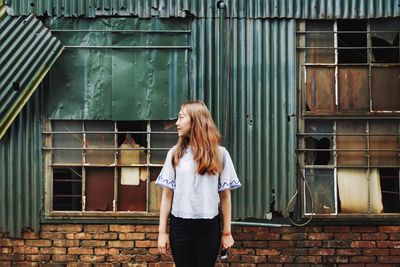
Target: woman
197	178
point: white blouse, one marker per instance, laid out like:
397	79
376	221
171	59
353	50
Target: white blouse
196	196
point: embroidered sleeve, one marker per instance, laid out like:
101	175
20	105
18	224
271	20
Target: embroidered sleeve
167	174
228	178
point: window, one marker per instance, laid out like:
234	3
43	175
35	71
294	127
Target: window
105	167
349	123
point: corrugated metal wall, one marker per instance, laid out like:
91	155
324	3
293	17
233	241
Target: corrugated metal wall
21	171
258	95
306	9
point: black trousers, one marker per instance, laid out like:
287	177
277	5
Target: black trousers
195	242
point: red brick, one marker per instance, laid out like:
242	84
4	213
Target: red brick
280	259
309	259
124	244
335	259
166	258
255	244
242	265
321	251
47	227
147	258
79	251
389	229
294	251
242	251
26	250
38	243
53	250
255	229
294	236
268	252
78	236
66	243
132	236
363	259
29	235
254	259
64	258
320	236
394	237
311	229
7	250
364	229
52	235
79	264
69	228
374	236
151	236
147	228
37	257
308	244
349	252
363	244
106	251
337	229
375	252
122	228
266	236
145	244
281	244
395	251
92	258
11	242
95	228
105	236
243	236
335	244
348	236
93	243
25	264
119	258
162	264
388	244
391	259
12	257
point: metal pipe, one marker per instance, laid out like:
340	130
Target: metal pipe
259	224
221	70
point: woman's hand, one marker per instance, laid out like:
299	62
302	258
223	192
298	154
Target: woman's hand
227	241
163	243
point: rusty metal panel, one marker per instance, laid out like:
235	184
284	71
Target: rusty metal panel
347	139
27	52
132	197
353	91
305	9
99	182
320	89
385	84
384	137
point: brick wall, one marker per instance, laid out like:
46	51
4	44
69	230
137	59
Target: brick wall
136	245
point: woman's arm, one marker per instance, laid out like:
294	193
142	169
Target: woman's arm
226	239
165	208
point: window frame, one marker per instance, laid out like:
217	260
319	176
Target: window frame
304	116
50	213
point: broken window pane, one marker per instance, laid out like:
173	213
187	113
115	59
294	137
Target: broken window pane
353	89
100	141
132	197
99	189
322	36
385	87
352	45
347	138
384	136
320	90
355	194
322	187
71	137
385	40
390	189
67	189
316	140
155	191
133	144
162	140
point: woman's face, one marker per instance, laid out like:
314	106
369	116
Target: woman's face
183	124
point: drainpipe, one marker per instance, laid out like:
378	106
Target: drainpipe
220	97
259	224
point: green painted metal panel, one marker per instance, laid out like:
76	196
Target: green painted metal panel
27	51
253	104
21	171
119	69
301	9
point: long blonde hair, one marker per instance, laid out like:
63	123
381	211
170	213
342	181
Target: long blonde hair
204	138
